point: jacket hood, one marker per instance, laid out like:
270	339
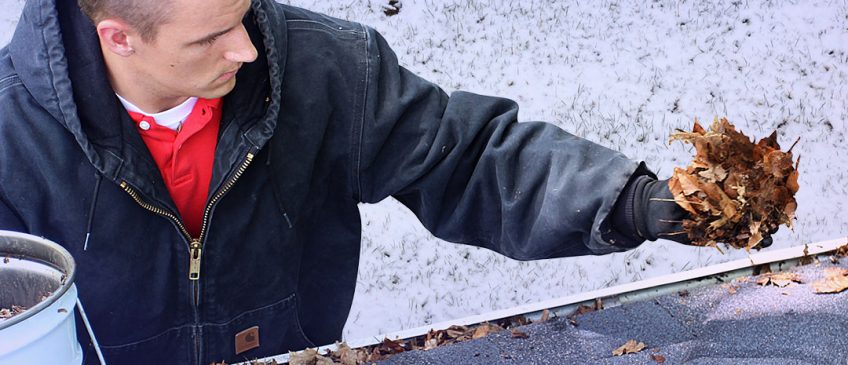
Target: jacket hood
56	53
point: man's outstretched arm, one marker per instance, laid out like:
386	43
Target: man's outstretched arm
473	175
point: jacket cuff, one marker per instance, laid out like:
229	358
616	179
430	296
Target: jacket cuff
625	228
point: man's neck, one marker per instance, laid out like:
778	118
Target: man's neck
130	87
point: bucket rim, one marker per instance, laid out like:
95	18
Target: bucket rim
67	267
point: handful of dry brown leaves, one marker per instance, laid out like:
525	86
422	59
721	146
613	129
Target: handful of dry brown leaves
736	192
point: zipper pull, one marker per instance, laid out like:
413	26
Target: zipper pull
194	260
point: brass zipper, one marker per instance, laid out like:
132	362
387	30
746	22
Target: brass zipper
221	193
195	244
155	209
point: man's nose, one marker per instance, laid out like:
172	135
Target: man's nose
242	49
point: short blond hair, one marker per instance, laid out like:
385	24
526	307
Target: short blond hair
143	15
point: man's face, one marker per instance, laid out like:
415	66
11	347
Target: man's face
197	52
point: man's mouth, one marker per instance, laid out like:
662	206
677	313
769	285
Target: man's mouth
227	75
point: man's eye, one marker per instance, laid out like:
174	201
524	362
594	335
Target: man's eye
210	41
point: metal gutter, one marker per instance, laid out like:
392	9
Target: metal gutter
621	294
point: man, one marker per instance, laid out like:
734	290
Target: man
202	160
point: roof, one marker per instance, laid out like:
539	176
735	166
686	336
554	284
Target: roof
740	322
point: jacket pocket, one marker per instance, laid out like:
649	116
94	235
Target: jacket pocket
170	347
280	331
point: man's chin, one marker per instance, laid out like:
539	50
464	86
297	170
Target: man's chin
221	90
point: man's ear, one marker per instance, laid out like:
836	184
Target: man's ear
115	36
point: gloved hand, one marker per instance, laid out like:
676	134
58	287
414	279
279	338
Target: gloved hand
647	210
656	215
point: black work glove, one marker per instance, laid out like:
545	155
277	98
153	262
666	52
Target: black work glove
646	211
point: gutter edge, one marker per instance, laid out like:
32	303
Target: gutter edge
616	295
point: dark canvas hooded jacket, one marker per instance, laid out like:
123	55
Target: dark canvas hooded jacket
325	119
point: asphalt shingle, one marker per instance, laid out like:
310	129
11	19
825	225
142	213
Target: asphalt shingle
740	322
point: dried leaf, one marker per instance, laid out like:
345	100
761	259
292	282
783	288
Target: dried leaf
842	250
806	259
780	280
583	309
713	174
456	331
599	304
658	358
792	182
482	331
689	183
835	281
348	356
545	315
735	191
431	344
305	357
731	289
630	347
756	235
324	361
518	334
677	190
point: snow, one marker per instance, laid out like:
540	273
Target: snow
622	74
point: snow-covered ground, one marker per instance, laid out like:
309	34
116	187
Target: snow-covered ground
623	74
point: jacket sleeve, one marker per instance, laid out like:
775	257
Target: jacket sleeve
472	174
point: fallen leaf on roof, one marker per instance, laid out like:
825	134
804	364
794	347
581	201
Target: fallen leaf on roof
835	281
630	347
518	334
307	357
431	344
736	192
806	259
345	355
348	356
484	330
731	289
258	362
545	315
658	358
779	279
514	321
583	309
842	250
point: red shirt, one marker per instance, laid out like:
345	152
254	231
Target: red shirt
185	157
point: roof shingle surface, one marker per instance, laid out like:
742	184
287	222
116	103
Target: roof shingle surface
752	324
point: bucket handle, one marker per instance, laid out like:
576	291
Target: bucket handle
90	333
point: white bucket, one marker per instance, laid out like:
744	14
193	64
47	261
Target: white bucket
32	267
